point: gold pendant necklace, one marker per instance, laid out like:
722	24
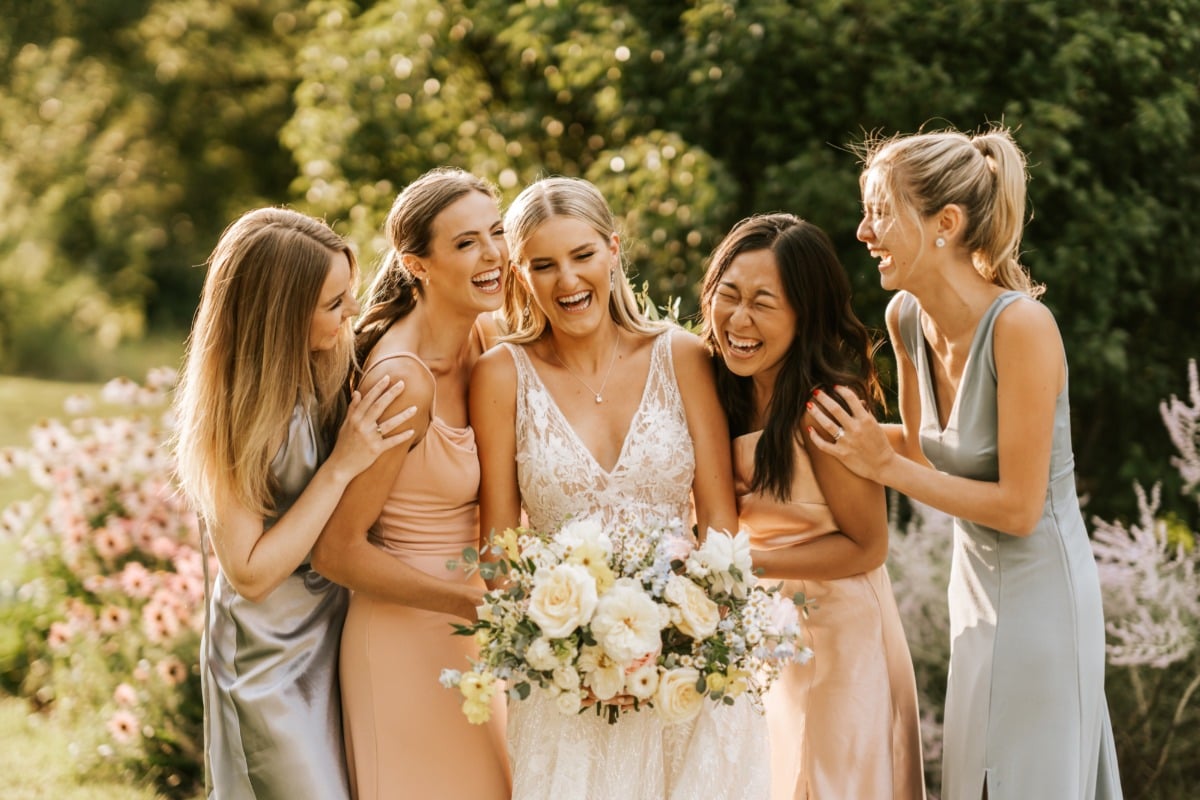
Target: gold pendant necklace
597	393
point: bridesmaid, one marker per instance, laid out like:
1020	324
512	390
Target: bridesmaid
416	508
986	437
776	307
274	313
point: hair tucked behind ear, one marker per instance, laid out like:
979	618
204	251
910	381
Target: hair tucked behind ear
395	291
984	174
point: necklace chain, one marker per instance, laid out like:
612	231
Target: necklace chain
598	393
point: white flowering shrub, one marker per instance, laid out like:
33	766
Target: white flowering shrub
105	616
1148	576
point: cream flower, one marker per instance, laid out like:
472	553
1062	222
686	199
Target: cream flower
697	614
628	622
677	699
642	683
569	702
584	533
601	673
563	599
540	655
567	679
719	557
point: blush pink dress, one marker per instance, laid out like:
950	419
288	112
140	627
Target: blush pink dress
406	736
844	725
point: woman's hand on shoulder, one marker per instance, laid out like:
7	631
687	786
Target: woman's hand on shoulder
382	418
843	427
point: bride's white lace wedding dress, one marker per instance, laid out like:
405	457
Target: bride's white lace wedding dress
723	753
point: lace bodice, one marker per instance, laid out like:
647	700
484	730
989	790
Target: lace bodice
559	477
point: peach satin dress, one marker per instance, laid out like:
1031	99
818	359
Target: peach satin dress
406	735
844	725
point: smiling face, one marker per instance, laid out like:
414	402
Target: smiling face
567	267
891	235
335	305
752	321
466	255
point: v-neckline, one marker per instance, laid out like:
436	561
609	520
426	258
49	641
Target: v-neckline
575	434
931	378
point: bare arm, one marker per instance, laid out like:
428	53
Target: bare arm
1030	370
255	561
712	485
859	509
904	438
493	400
345	555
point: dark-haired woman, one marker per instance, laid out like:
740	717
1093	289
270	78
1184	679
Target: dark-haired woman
416	508
776	306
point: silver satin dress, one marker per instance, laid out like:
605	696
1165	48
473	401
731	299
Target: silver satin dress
272	714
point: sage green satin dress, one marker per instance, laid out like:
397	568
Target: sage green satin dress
1025	706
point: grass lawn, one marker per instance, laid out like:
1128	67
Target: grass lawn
33	764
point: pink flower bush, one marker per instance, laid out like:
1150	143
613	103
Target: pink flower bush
111	603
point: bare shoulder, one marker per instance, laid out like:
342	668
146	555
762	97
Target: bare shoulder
688	350
489	330
495	367
419	385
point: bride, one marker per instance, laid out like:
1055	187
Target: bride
581	413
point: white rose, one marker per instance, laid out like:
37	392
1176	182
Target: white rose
563	599
540	655
566	678
642	683
569	702
601	673
677	699
628	622
698	615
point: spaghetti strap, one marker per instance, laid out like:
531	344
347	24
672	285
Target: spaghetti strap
406	354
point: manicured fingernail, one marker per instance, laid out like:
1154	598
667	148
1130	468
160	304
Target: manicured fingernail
808	406
816	392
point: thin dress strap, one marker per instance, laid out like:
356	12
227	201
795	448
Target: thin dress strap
406	354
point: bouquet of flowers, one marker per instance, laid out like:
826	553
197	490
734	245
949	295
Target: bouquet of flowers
625	617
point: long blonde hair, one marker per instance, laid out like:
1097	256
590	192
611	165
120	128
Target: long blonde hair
573	198
248	359
983	173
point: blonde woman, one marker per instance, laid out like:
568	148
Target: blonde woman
260	398
591	409
416	508
985	436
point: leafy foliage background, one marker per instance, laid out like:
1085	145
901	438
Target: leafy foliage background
132	131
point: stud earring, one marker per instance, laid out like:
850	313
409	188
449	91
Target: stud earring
940	242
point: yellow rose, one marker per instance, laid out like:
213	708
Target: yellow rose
716	682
